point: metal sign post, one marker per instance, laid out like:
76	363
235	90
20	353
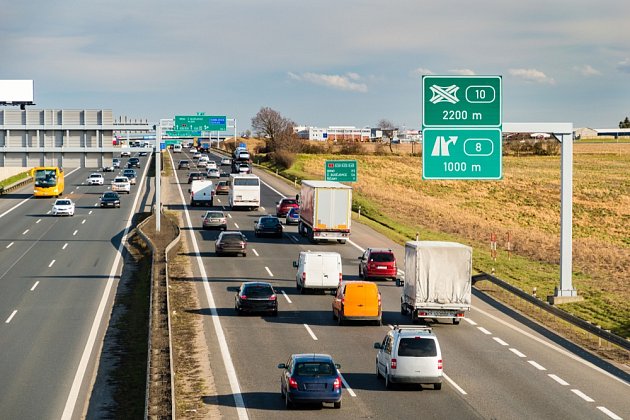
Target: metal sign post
158	155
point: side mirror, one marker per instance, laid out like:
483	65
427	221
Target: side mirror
400	283
189	190
337	365
377	346
295	264
282	366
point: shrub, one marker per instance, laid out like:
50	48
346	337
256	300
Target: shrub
352	148
283	158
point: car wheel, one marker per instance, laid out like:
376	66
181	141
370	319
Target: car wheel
287	403
437	387
455	321
238	311
378	374
388	384
361	276
337	404
378	322
274	313
340	319
244	254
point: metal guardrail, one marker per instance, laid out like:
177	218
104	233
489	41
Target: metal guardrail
580	323
18	184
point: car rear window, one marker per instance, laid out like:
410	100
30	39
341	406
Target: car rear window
382	257
214	214
268	221
314	368
417	347
287	202
232	238
259	290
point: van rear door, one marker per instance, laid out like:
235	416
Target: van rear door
331	270
313	271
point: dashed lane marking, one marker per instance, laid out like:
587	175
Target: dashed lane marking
310	332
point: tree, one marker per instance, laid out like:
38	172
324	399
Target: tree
385	124
625	123
274	128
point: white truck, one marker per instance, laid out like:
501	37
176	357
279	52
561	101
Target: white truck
438	281
201	193
325	211
244	191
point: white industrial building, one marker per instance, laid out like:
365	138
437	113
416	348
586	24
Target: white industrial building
334	133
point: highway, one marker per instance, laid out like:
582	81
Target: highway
57	278
495	365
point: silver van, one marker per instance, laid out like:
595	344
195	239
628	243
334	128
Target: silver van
318	270
410	355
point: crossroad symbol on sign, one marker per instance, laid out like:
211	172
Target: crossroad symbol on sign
440	148
444	94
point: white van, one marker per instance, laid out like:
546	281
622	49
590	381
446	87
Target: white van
318	270
177	148
201	192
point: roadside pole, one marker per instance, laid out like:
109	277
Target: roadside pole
158	155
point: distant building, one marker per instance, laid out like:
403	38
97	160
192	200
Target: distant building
334	133
586	133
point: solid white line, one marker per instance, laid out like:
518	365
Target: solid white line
609	413
51	263
38	220
498	340
345	385
10	317
64	245
75	233
553	347
310	331
236	224
216	321
518	353
35	285
73	395
286	297
536	365
25	232
255	252
558	379
10	245
470	321
582	395
483	330
272	189
269	271
457	387
83	222
355	245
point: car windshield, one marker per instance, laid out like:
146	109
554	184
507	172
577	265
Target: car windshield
63	202
95	176
110	195
258	290
417	347
269	221
382	257
314	368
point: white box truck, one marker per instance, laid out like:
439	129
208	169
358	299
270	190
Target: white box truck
325	211
244	191
318	270
438	280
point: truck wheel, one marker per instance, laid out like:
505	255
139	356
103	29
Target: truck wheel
437	387
455	321
337	404
341	241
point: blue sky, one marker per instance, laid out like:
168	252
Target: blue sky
343	62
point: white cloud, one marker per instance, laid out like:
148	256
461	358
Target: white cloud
532	75
462	72
421	71
587	70
624	65
349	81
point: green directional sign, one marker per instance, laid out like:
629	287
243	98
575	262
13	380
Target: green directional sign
201	122
461	153
461	101
340	170
183	133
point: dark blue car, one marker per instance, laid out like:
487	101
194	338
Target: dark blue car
310	378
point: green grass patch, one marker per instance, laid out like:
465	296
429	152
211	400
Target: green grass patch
15	178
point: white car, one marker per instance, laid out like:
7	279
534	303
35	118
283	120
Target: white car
196	155
212	164
116	163
120	184
214	173
125	153
95	179
63	206
226	161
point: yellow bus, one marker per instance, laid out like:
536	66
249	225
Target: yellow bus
48	181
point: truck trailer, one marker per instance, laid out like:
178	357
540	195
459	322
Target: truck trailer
325	211
438	281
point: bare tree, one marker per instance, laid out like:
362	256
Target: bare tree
385	124
274	128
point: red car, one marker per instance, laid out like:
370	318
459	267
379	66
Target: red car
283	206
378	263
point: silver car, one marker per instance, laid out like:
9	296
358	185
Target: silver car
214	219
410	355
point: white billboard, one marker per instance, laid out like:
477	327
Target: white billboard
16	91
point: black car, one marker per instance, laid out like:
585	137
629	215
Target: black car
256	297
268	225
183	164
231	242
133	163
110	199
196	175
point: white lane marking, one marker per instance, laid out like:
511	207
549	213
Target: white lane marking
262	208
483	330
10	317
272	189
95	204
518	353
76	188
49	211
90	212
216	321
582	395
293	238
25	232
35	285
286	297
609	413
498	340
255	252
457	387
553	347
470	321
83	222
51	263
355	245
269	271
236	224
75	233
310	332
536	365
229	215
345	385
558	379
64	245
70	192
73	395
10	245
38	220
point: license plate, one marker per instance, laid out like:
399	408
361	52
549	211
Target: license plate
381	267
315	387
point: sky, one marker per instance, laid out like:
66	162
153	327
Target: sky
319	63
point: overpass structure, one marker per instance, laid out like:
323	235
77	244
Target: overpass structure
61	137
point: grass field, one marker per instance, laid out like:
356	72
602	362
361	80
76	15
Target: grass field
524	205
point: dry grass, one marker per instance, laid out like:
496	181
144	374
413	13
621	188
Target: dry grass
526	205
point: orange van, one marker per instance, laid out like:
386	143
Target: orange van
357	301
